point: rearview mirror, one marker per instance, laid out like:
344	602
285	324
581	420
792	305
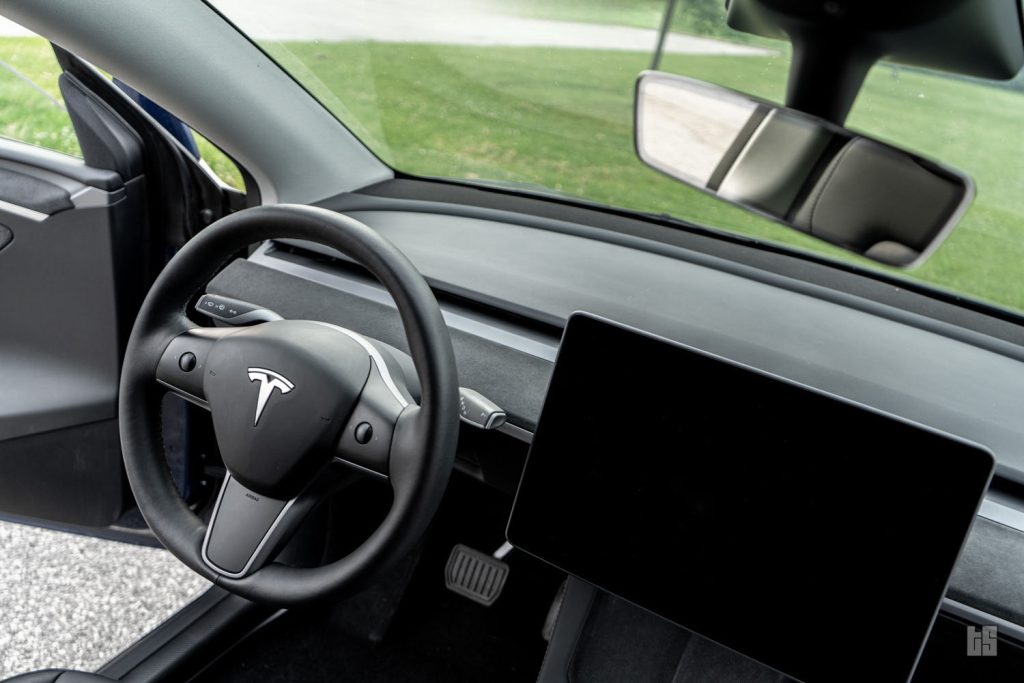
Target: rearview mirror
799	170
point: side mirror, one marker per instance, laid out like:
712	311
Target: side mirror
804	172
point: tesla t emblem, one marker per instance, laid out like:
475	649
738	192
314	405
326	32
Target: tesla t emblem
269	380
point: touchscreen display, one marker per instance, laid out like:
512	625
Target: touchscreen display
800	530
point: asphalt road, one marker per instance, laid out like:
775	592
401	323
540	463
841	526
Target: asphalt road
70	601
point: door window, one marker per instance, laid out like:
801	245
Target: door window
31	107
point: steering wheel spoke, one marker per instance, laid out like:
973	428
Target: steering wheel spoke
184	362
247	529
241	534
367	438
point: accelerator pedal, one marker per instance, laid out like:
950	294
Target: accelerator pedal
475	575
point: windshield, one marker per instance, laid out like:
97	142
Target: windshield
538	95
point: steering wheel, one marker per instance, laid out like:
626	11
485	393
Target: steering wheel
292	402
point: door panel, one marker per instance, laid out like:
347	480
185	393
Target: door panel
60	333
81	240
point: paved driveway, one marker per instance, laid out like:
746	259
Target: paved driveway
448	22
442	22
70	601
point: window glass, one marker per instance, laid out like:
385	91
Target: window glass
974	126
537	95
219	163
31	108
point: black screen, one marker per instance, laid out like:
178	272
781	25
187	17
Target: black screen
809	533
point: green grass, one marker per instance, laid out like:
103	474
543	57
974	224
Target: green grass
562	119
220	163
27	114
37	115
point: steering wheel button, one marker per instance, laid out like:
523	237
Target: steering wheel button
364	432
187	361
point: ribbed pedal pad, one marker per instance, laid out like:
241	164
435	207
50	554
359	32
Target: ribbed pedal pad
475	575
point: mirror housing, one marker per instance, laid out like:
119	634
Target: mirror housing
836	42
798	170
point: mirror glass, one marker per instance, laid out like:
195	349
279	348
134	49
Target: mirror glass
804	172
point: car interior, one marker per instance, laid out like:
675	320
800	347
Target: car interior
419	427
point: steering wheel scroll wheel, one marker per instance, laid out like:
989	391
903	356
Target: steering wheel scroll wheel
292	402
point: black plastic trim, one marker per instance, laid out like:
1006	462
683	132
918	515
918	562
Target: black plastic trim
437	196
306	253
28	157
115	532
188	641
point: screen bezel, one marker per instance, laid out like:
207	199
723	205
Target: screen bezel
570	330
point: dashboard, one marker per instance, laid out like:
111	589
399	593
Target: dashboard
508	282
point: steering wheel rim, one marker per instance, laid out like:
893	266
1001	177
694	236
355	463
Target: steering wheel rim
423	444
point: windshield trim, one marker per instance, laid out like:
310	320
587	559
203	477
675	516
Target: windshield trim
660	229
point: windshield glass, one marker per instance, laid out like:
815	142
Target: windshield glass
537	95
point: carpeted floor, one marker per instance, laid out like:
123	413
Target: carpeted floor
435	635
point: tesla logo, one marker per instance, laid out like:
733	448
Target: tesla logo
269	380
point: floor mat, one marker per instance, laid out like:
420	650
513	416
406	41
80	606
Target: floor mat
435	636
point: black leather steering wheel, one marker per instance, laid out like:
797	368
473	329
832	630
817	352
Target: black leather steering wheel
290	401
